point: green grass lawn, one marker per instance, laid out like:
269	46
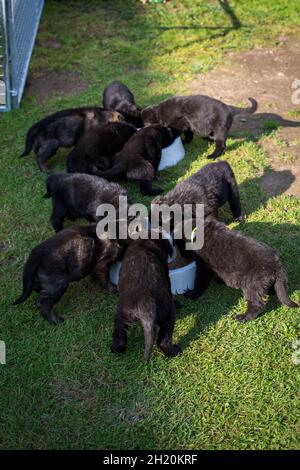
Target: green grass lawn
235	385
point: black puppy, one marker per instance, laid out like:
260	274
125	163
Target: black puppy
145	296
67	256
213	185
240	262
78	195
197	114
63	129
118	97
139	159
94	150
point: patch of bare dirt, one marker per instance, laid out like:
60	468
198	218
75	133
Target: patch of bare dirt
46	84
266	75
49	43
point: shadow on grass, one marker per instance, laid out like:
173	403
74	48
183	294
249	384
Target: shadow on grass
258	125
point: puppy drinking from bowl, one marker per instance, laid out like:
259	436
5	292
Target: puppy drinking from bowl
140	157
145	296
213	185
118	97
63	129
197	114
68	256
77	195
97	146
240	262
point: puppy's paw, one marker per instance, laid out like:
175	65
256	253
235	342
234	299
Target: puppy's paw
245	317
218	280
192	294
112	288
55	319
156	191
173	350
118	348
240	219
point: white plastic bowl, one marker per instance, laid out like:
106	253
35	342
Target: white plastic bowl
182	279
171	155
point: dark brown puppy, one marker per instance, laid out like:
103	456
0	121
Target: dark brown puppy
118	97
213	185
140	157
241	262
78	195
63	129
94	150
68	256
197	114
145	296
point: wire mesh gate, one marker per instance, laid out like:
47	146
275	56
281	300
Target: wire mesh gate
19	21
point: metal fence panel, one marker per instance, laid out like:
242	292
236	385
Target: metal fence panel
4	61
20	21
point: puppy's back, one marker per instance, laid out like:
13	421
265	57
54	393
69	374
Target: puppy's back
143	275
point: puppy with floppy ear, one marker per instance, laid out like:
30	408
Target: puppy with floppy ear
63	129
197	114
68	256
94	150
139	159
213	185
77	195
118	97
145	296
240	262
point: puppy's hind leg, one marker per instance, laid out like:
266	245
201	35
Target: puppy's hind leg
220	141
119	342
220	136
255	306
47	300
166	322
59	213
44	152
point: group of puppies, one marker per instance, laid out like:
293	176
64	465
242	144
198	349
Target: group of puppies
123	140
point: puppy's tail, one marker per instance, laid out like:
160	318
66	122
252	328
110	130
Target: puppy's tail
280	287
116	170
29	271
249	110
30	138
149	334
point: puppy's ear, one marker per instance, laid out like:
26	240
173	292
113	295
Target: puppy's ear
144	171
179	123
167	246
174	133
149	116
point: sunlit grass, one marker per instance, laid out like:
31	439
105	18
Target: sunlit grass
234	386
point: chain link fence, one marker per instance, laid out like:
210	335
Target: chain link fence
19	21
